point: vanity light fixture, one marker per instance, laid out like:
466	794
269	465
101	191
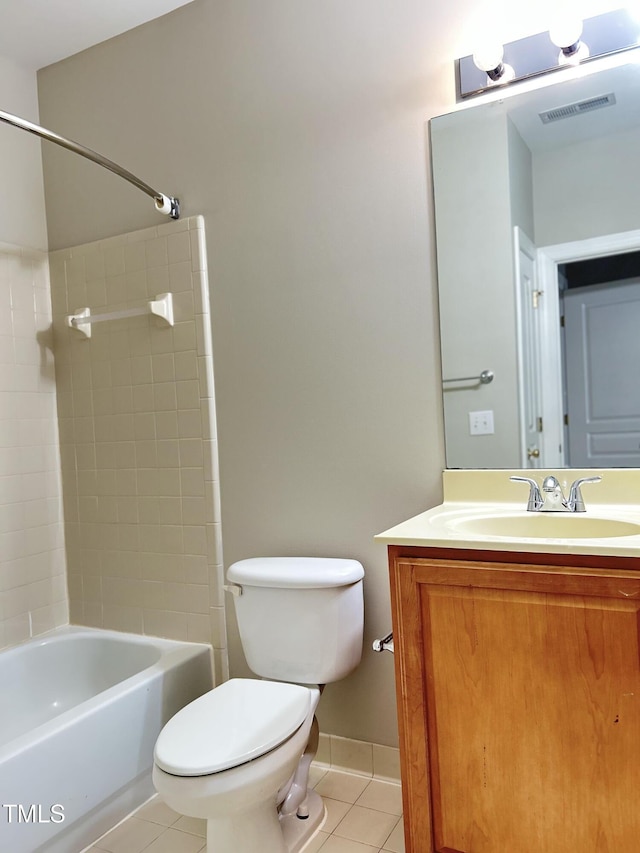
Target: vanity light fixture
579	41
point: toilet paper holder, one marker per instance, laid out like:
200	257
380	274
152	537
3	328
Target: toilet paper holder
384	645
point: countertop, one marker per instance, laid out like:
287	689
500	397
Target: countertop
472	498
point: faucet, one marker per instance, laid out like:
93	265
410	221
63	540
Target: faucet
551	497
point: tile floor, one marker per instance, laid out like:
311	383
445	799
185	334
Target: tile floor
363	816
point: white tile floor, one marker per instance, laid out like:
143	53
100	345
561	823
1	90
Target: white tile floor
363	816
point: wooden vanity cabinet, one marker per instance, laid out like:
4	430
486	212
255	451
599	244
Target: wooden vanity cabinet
518	685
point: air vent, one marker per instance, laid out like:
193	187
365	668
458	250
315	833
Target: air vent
578	108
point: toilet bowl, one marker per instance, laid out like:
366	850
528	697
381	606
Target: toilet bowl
260	730
239	756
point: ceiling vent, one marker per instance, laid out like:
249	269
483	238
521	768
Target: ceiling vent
578	108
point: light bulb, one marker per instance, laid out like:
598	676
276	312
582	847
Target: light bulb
488	57
565	33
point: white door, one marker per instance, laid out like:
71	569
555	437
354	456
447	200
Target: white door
529	346
602	346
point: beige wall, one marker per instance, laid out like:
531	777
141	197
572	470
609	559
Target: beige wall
521	182
22	215
33	596
299	131
137	434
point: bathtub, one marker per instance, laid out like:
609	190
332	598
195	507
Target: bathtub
80	711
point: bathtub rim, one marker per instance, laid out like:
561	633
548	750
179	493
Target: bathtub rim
172	654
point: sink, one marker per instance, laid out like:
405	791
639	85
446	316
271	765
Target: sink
484	511
545	525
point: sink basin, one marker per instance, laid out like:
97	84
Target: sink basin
546	525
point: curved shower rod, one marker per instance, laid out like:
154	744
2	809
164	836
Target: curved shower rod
164	204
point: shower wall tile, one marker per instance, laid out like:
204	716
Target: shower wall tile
138	440
33	596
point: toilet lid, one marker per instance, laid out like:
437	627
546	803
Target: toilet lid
295	572
230	725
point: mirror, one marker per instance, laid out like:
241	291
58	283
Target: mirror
527	188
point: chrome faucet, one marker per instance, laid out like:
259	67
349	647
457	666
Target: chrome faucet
551	497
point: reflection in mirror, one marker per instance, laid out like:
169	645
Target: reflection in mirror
529	191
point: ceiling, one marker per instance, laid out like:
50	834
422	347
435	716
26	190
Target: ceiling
623	82
35	33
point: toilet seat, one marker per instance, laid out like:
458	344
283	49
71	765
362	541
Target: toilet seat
231	725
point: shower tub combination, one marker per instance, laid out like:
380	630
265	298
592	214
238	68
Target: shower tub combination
80	711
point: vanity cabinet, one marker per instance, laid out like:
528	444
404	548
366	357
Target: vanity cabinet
518	684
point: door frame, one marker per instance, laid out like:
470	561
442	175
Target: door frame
548	260
528	344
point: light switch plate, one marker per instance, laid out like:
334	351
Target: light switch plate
481	423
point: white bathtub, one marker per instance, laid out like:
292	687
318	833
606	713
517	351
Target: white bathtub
80	711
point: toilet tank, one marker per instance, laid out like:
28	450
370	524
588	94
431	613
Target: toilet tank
300	618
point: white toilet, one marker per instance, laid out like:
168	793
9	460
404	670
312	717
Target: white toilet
239	756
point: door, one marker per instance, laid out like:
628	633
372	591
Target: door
529	346
602	356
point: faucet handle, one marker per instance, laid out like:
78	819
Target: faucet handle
535	498
576	503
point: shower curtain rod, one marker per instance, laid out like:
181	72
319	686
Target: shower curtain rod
164	204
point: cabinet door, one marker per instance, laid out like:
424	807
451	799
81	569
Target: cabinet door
523	685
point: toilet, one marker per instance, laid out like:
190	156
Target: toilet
239	756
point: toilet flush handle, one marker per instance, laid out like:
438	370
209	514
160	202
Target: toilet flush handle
233	588
384	645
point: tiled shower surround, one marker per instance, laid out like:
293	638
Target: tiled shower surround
33	596
138	438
